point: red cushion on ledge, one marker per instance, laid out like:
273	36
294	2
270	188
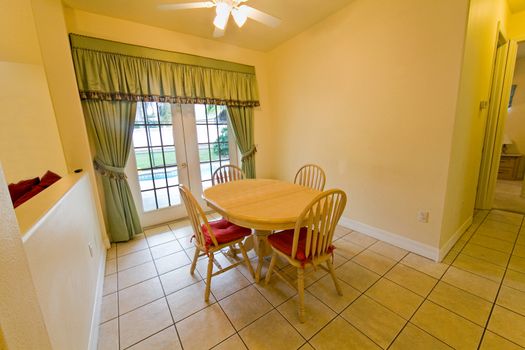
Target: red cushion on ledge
22	187
283	241
34	191
225	232
48	179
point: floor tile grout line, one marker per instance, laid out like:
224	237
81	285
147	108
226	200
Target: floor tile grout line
451	265
477	275
169	309
481	245
364	292
501	282
166	300
275	307
149	336
338	314
118	300
361	293
426	298
499	287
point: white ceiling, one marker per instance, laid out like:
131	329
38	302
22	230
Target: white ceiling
296	16
516	5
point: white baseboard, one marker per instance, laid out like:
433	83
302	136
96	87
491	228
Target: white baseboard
443	251
406	243
392	238
95	318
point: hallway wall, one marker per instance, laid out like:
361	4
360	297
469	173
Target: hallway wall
469	124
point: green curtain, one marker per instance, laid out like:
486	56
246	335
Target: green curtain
241	119
113	76
110	128
108	70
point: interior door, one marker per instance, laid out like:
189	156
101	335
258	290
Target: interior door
500	93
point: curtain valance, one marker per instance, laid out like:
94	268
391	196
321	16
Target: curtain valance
112	71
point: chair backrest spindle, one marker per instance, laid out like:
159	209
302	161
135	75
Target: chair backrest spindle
197	217
320	219
311	175
227	173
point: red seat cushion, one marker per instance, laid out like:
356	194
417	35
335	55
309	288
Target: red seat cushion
48	179
19	189
28	195
283	241
225	232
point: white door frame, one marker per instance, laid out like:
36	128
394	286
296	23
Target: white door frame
162	215
188	165
500	94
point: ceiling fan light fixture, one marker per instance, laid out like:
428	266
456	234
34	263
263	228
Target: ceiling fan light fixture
223	10
239	16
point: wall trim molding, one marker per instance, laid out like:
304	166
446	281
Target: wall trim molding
97	308
443	251
392	238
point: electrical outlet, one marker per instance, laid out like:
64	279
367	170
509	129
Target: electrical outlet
422	216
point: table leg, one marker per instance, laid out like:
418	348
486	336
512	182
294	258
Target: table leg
262	249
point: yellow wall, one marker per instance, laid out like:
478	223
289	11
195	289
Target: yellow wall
469	128
515	123
29	141
517	26
370	95
90	24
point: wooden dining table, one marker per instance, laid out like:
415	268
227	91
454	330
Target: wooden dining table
263	205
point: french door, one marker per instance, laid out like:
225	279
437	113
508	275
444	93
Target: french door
176	144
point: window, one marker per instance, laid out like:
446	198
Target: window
177	144
213	139
154	146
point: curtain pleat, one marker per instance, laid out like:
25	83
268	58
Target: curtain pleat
112	77
241	119
109	76
110	128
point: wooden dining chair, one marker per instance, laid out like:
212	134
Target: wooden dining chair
211	237
227	173
311	175
310	242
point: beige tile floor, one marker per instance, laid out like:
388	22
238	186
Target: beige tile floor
393	299
507	196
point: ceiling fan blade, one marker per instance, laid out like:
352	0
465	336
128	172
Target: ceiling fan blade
187	5
260	16
218	33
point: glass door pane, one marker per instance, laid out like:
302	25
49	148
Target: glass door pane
157	164
172	145
213	140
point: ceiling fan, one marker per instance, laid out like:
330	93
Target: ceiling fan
223	9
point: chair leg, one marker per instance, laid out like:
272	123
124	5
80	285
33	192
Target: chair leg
194	262
246	260
334	278
270	269
300	290
208	278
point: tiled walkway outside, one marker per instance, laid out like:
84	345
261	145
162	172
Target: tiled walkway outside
392	299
